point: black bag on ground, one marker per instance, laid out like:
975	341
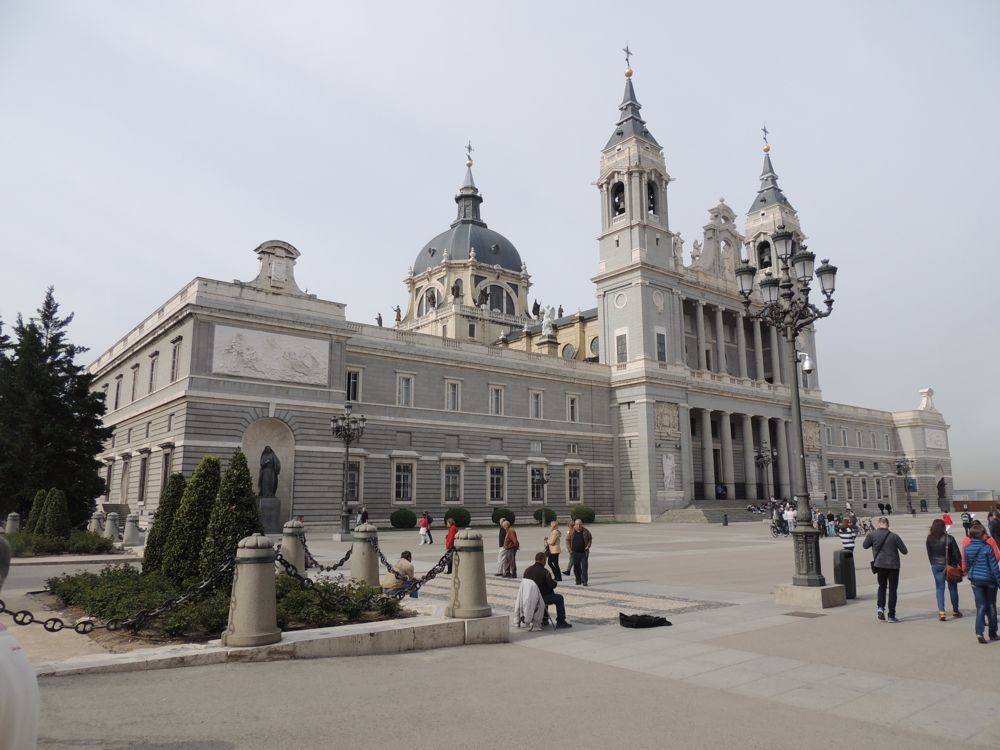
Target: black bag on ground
641	621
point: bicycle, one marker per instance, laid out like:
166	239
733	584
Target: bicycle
777	530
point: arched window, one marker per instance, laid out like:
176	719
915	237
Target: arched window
421	302
618	199
651	197
501	300
763	255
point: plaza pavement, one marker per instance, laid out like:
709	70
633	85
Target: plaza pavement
734	668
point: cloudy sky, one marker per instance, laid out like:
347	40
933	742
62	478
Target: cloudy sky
145	143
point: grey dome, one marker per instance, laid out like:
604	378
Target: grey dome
466	233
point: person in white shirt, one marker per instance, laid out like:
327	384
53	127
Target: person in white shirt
19	699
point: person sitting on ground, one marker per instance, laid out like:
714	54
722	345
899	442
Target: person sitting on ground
19	700
546	585
391	584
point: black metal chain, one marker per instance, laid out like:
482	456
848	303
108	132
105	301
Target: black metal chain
134	623
330	597
311	561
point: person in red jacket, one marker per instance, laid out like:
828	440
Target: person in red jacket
449	541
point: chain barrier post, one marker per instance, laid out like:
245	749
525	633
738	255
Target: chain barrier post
253	618
96	523
111	528
364	558
468	591
292	549
133	536
13	524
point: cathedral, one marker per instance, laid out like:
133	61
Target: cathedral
667	400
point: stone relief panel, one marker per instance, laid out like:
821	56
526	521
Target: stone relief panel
270	356
669	471
666	418
816	488
936	439
810	436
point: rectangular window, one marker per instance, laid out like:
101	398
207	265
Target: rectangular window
175	359
498	484
118	391
453	483
573	481
404	390
864	488
833	488
143	471
849	483
353	385
496	400
874	441
843	437
860	441
572	449
153	361
829	463
535	448
887	442
353	481
453	395
861	464
621	348
572	408
123	495
404	482
472	330
847	464
135	383
829	436
537	481
661	347
535	402
165	469
878	488
107	480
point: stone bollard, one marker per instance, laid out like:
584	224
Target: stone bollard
253	618
291	545
133	535
364	558
96	523
111	528
468	591
13	524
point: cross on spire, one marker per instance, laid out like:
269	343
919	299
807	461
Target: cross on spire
468	150
764	131
628	54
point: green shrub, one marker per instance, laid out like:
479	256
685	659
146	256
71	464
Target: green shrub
159	531
87	543
234	515
53	521
499	513
463	519
79	542
550	515
182	554
582	512
20	543
403	518
36	511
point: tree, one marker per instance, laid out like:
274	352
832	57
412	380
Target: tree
50	419
36	511
54	519
159	531
235	514
182	553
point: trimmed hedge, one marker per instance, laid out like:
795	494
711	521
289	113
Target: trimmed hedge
79	542
159	530
582	512
499	513
234	515
182	553
36	511
463	519
54	518
550	515
403	518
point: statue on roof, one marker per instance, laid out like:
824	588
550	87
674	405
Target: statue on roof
378	319
536	309
548	321
399	313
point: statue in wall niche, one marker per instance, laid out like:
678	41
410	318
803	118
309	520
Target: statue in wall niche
668	471
270	468
456	289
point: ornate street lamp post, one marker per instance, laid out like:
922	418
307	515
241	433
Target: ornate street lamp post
904	466
348	429
786	306
763	457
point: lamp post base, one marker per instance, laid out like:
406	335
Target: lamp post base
805	543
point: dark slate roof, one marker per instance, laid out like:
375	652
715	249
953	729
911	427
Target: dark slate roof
630	124
769	192
466	232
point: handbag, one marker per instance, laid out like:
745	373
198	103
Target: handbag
952	573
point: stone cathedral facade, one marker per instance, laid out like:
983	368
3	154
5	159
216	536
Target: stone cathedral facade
655	400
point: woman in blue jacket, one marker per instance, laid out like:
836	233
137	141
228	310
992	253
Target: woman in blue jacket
984	575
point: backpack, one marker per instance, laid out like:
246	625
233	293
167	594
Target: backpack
641	621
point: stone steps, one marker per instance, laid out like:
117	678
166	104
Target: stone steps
696	513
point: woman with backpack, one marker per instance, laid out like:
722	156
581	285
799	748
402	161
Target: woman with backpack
942	550
980	563
425	528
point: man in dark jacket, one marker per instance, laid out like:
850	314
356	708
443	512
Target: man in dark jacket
578	542
547	584
886	547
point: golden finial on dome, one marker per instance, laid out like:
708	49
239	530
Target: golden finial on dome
468	154
767	148
628	66
628	72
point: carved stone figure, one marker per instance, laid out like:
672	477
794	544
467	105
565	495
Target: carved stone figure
270	468
432	298
810	436
399	313
484	297
695	251
547	322
559	313
666	417
941	488
536	309
677	248
378	319
456	289
668	471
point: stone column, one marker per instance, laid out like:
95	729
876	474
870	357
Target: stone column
708	464
96	523
726	438
758	350
13	524
720	342
784	481
677	355
468	590
253	619
111	528
741	344
767	478
292	549
364	558
133	536
775	355
749	467
687	456
700	321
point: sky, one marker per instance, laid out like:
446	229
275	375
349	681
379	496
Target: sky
143	144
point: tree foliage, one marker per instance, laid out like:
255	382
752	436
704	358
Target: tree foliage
53	521
50	419
36	511
182	553
234	515
159	531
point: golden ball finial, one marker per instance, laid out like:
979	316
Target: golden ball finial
468	162
628	72
767	147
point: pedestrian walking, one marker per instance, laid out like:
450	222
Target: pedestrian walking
942	549
425	528
984	574
552	545
510	547
449	540
578	541
967	519
886	548
502	553
947	523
